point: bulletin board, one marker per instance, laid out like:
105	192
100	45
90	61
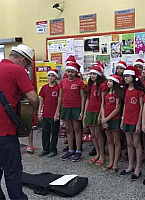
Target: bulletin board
109	48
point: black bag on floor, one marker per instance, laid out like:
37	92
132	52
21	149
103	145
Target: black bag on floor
40	184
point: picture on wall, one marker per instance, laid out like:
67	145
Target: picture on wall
139	43
116	50
128	43
104	48
105	59
91	44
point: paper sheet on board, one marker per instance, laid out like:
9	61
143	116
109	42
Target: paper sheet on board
63	180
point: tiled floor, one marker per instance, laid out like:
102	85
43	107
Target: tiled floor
102	186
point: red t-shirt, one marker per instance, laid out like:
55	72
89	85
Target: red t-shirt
110	105
71	92
50	99
13	82
95	101
132	106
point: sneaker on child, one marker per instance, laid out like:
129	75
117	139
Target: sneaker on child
30	149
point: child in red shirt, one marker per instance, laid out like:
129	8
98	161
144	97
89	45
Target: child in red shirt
131	119
96	91
111	117
48	101
71	98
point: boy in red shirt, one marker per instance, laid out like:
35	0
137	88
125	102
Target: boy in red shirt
48	101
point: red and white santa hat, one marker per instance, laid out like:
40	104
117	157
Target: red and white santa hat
96	69
74	66
71	58
115	78
53	71
130	70
98	63
139	62
121	64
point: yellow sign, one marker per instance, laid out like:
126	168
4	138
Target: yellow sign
41	72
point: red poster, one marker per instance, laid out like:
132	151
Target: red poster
56	57
88	23
57	26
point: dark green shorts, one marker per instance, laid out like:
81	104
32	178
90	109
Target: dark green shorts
91	119
114	124
70	113
129	128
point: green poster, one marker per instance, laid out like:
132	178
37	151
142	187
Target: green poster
128	43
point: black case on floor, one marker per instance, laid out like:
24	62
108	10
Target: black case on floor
40	184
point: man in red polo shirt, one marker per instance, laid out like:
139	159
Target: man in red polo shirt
13	82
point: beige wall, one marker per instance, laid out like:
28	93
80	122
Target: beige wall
18	18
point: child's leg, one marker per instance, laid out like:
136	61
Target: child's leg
78	133
54	139
138	149
46	131
100	141
130	148
30	138
69	132
117	144
95	142
110	148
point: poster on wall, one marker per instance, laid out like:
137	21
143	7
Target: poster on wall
115	37
105	44
88	62
57	26
41	27
88	23
79	53
105	59
91	44
116	49
128	43
41	72
114	62
56	46
104	48
139	43
125	19
56	57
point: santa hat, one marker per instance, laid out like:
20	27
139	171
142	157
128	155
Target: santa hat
139	62
74	66
53	71
115	78
130	70
121	64
96	69
98	63
71	58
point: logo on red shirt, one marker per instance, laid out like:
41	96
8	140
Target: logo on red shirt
133	100
111	100
73	87
54	94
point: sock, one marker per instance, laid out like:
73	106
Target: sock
71	151
77	151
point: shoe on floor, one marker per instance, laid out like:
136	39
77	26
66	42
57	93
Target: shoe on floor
30	149
67	155
52	154
124	172
92	152
43	153
134	177
77	157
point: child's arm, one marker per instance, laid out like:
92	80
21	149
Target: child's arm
82	103
40	118
143	119
85	110
57	113
101	114
114	112
138	126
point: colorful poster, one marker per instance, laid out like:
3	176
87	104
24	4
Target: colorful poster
91	44
128	43
56	57
115	38
139	43
125	19
56	45
41	72
116	50
88	62
104	48
41	27
57	26
105	59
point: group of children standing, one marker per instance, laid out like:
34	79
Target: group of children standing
114	104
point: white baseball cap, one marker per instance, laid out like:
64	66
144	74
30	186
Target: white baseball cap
25	51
